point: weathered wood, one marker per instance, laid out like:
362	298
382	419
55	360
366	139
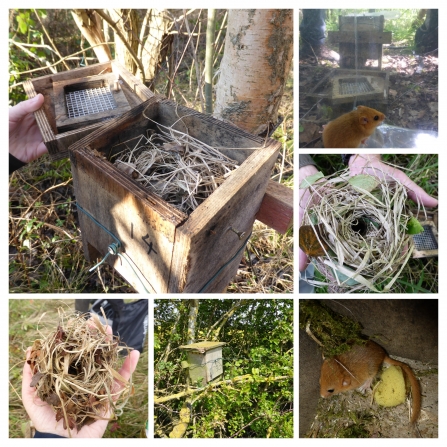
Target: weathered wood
132	81
200	252
205	243
66	123
276	209
369	37
135	92
143	223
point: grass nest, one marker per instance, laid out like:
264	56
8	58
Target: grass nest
74	369
180	169
357	231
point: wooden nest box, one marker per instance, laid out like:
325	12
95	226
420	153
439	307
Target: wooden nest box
162	249
204	361
78	101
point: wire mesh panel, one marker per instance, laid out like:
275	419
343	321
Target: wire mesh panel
80	102
87	101
425	240
354	86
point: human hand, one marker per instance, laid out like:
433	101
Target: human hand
372	165
304	196
25	139
43	416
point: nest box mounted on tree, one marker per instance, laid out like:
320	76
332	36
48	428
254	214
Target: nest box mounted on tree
204	361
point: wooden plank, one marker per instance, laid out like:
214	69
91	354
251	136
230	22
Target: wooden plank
41	119
65	123
370	37
113	130
132	81
205	249
229	139
276	209
143	222
91	70
54	140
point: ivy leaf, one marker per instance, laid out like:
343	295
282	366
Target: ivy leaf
363	182
414	227
310	180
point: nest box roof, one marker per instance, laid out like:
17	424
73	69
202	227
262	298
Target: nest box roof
203	346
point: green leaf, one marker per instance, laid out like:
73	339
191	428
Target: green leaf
363	182
310	180
23	25
414	227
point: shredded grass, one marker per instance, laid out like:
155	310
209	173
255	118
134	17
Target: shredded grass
29	320
45	245
418	275
180	169
74	369
364	232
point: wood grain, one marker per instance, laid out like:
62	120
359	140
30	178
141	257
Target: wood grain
276	209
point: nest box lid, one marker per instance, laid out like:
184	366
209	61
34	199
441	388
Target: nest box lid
203	346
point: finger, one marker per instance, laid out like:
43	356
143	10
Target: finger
22	109
126	370
304	261
415	192
130	364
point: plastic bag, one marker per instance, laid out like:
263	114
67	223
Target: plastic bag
386	136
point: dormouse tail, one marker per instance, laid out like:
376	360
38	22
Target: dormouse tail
415	388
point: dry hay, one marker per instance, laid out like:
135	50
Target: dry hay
74	369
180	169
360	226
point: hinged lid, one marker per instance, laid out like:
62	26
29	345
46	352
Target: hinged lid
202	346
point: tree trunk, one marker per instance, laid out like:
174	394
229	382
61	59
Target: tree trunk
255	66
192	319
155	41
209	54
126	20
90	25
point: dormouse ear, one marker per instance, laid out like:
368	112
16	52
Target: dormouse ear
363	120
346	381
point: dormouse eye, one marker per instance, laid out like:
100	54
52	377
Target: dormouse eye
330	391
376	117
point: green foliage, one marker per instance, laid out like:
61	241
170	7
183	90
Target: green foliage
403	26
259	347
23	29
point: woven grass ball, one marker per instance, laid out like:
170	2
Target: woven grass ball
74	369
357	231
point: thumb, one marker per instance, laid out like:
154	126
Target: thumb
304	261
19	111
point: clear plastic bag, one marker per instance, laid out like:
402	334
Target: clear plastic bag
386	136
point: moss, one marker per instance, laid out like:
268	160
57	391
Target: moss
334	331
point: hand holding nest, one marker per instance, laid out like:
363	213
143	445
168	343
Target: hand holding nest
42	414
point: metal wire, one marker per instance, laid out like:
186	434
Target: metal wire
425	240
88	101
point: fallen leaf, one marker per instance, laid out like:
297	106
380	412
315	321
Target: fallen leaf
53	399
36	378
